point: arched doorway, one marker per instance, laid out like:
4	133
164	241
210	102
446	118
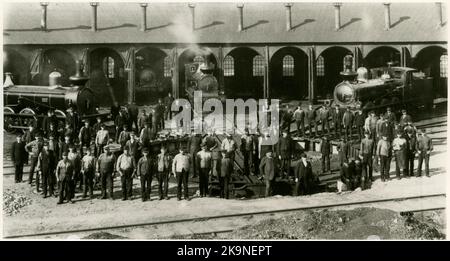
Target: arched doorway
107	76
191	55
153	75
247	79
380	56
57	60
17	65
289	74
432	61
329	65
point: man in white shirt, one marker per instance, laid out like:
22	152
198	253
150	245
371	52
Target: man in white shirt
180	166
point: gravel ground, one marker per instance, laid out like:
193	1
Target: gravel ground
13	202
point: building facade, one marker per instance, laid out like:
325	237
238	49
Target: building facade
136	52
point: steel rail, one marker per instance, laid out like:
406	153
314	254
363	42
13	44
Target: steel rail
196	219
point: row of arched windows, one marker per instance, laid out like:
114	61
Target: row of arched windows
258	66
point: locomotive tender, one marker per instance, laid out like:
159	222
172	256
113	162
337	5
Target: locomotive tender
390	86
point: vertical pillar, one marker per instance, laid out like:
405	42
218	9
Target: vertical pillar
404	57
311	75
241	17
44	16
439	14
94	16
337	16
192	7
267	72
221	72
144	17
387	16
356	55
175	74
288	16
131	74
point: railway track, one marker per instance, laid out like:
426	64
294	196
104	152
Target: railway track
365	203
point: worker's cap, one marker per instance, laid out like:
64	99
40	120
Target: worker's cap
224	151
45	144
388	108
203	145
51	136
98	118
132	133
72	147
125	126
303	155
372	112
19	135
65	153
403	110
102	125
145	150
366	133
67	135
284	131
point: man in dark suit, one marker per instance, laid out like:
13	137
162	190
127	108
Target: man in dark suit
336	116
73	120
359	123
268	168
325	150
285	149
404	119
119	121
411	146
311	116
194	147
424	148
347	122
133	112
18	157
303	176
159	115
49	119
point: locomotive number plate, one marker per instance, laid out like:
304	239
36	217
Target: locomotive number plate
44	99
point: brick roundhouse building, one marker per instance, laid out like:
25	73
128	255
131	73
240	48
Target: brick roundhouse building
295	51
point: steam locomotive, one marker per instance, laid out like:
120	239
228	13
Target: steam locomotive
389	87
26	104
199	77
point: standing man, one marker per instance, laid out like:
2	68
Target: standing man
133	112
424	148
359	123
168	100
180	166
287	119
311	116
347	123
115	109
105	166
124	136
64	176
119	121
325	150
204	164
324	119
145	172
34	148
303	176
85	136
146	136
343	151
159	116
18	157
256	138
337	115
268	168
164	161
97	126
75	159
64	147
88	172
101	139
399	151
299	117
404	119
366	151
133	147
48	120
73	120
143	118
247	149
370	125
384	153
43	168
390	116
126	167
285	150
194	147
226	169
411	146
229	145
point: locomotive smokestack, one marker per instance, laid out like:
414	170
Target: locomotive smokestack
241	17
288	16
144	17
439	13
94	16
44	16
387	16
192	7
337	16
78	79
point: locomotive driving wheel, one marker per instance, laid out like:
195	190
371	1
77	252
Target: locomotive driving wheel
27	121
8	120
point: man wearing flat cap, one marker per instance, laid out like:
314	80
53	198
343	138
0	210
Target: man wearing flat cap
34	148
64	176
180	166
18	157
204	164
106	168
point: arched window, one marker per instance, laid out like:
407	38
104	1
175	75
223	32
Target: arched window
199	59
108	66
167	67
320	66
228	66
288	65
443	66
258	66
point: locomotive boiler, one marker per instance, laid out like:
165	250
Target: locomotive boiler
199	77
27	104
389	87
